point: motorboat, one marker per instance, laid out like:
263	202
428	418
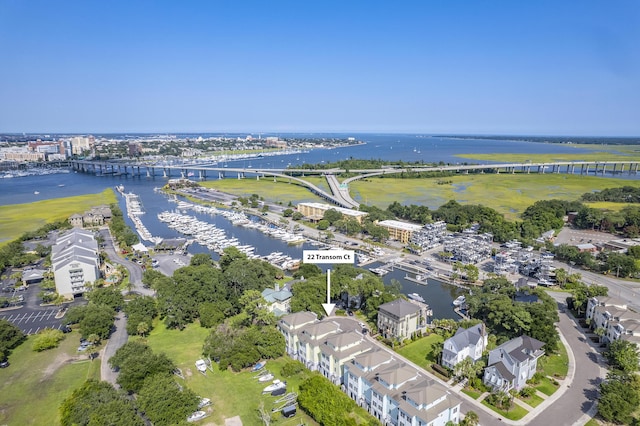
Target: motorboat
198	415
265	378
259	366
201	365
460	300
204	402
415	296
277	384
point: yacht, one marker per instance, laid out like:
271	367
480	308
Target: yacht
460	300
416	297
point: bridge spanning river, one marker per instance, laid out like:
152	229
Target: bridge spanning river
340	191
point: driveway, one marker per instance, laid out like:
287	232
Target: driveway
118	338
135	271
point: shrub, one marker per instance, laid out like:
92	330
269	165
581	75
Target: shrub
47	339
527	392
291	368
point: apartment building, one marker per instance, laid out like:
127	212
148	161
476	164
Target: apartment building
316	211
75	262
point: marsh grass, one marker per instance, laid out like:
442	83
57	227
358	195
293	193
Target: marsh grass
16	219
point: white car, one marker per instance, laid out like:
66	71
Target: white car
198	415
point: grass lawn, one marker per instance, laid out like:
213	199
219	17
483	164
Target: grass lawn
533	401
472	393
509	194
515	413
546	387
36	383
592	422
232	394
16	219
421	351
555	365
280	191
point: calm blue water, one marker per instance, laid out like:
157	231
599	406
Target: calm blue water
387	147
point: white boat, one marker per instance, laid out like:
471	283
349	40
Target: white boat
204	402
460	300
36	192
415	296
277	384
198	415
201	365
265	378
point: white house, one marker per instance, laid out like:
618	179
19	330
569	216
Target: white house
278	300
466	343
513	363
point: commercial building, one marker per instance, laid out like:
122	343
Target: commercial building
400	231
316	211
75	262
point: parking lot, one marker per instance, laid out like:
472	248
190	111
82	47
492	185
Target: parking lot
30	320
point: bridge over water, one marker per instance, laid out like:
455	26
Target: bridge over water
340	191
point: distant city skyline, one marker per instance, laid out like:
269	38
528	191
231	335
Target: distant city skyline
461	67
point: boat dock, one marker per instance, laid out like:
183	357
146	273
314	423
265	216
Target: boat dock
134	211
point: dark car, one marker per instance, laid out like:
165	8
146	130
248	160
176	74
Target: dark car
4	364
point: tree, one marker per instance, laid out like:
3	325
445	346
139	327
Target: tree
10	337
142	328
109	296
138	310
201	259
287	213
47	339
332	215
323	224
471	419
137	367
619	398
164	402
98	320
98	403
623	355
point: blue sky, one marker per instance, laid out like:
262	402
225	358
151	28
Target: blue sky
497	67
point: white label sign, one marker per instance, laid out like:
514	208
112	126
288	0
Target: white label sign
328	256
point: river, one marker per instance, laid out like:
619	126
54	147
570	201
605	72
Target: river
386	147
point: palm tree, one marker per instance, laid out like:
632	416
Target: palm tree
471	419
142	328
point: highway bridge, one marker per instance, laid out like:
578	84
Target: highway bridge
340	191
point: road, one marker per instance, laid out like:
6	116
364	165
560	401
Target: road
118	338
135	271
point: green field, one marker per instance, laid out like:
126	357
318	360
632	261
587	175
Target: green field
555	365
16	219
509	194
546	387
281	191
420	352
36	383
515	413
232	394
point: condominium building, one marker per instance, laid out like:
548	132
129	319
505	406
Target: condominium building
316	211
400	231
400	319
75	262
381	382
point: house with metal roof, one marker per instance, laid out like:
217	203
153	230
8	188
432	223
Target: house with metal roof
278	300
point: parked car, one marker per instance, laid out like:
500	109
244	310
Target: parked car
4	364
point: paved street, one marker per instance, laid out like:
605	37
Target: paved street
118	338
